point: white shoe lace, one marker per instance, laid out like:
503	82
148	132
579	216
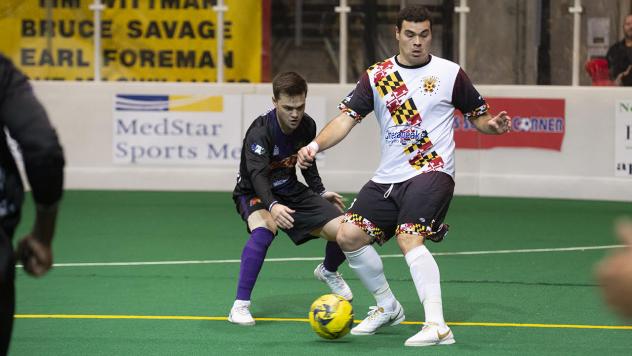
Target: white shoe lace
375	312
335	279
428	325
242	310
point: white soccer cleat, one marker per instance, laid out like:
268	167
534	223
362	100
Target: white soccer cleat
378	318
431	334
240	313
334	281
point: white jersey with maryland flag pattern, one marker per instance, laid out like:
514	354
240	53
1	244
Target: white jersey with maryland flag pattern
415	110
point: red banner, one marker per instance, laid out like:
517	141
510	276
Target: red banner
536	123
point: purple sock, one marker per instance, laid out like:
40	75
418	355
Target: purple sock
251	261
334	256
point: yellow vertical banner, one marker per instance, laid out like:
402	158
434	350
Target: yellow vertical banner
142	40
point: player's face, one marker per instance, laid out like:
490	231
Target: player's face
290	111
627	27
414	42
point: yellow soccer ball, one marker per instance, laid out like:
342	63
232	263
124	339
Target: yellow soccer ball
331	316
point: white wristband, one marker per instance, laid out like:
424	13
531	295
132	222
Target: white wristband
313	146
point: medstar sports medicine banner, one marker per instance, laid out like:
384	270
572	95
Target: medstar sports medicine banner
536	123
190	129
142	40
177	129
623	139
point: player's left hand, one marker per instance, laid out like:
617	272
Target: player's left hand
36	256
500	123
336	199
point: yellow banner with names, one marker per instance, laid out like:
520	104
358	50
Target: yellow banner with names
141	40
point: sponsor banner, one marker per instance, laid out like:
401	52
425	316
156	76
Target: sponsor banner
177	129
142	40
190	129
623	139
536	123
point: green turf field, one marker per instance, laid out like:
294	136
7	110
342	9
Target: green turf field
532	298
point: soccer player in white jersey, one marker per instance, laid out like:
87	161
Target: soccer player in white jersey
413	95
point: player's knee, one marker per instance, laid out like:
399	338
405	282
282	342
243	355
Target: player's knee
270	225
330	231
349	237
262	219
407	242
267	224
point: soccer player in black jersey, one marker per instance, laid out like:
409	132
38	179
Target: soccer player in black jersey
24	118
269	196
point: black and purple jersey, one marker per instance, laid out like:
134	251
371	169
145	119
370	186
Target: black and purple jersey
268	160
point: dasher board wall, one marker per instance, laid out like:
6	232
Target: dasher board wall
100	123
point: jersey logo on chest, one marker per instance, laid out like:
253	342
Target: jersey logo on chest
287	162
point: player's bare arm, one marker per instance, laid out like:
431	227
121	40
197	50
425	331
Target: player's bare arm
335	131
493	125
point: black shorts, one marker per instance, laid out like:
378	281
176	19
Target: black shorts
312	212
416	206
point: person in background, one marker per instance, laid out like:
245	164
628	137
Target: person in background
619	56
23	117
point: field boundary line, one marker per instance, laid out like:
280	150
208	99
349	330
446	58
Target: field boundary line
292	259
305	320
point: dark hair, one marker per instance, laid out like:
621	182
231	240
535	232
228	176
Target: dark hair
413	13
288	83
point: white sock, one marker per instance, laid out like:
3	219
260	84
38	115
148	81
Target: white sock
367	265
425	273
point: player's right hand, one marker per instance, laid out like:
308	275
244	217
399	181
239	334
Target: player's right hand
282	216
36	256
305	157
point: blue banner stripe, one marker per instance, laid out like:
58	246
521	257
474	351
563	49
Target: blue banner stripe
144	97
